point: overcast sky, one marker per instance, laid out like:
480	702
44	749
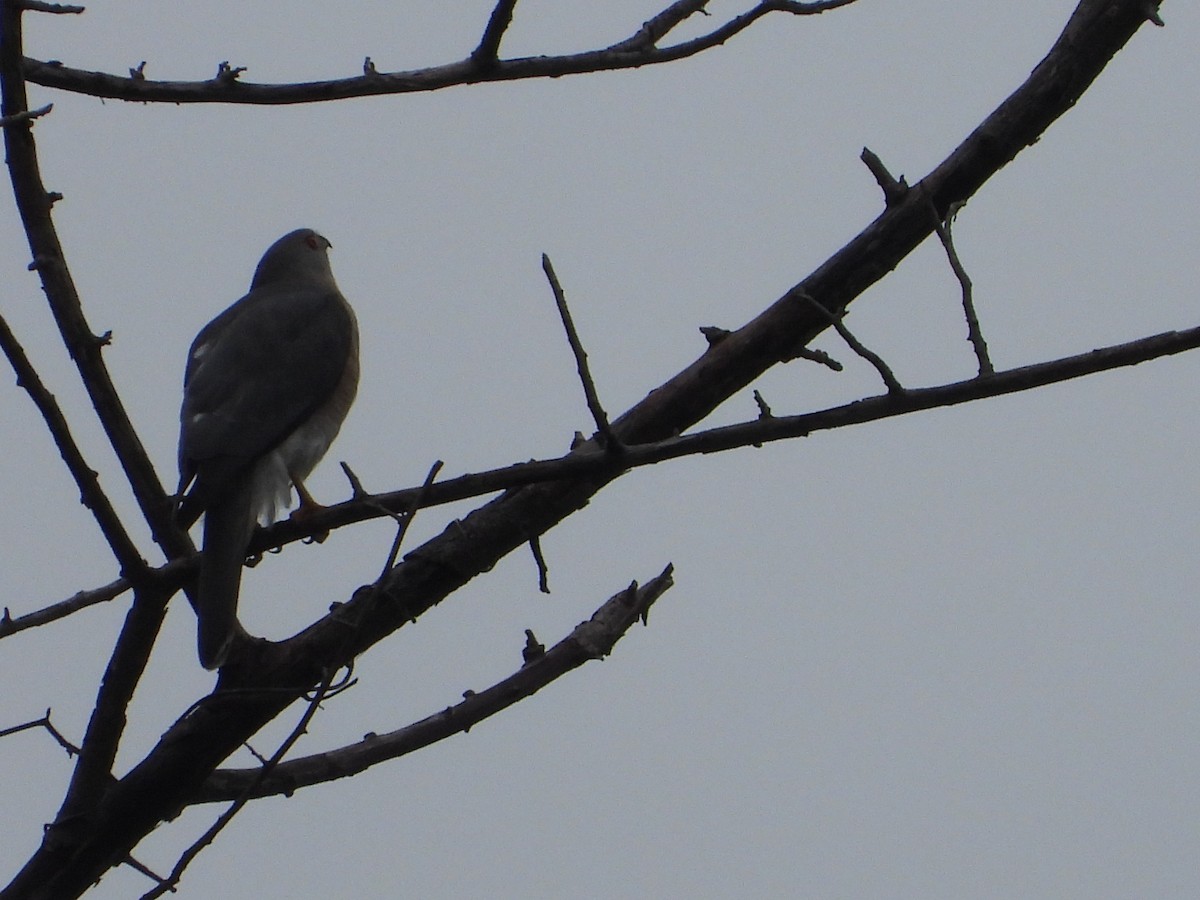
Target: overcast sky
951	655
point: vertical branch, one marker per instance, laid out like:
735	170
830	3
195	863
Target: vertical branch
611	441
92	774
34	204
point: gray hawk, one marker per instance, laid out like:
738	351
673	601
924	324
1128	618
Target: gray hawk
268	384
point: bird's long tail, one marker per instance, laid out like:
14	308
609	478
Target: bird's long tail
228	526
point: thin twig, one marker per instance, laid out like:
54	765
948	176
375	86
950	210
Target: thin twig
10	624
819	356
408	516
147	871
169	883
889	378
657	27
974	333
43	722
612	443
86	478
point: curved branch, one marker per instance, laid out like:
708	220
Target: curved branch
639	50
593	639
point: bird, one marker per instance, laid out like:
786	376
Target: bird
266	388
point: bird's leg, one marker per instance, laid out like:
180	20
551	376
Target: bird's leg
308	506
307	509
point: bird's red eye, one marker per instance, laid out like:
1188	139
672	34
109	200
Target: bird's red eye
313	243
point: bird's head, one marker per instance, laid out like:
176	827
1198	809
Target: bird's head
300	255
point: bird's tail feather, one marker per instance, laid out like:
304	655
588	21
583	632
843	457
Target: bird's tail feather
228	526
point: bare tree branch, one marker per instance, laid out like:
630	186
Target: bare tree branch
272	676
877	362
974	332
591	463
26	116
93	770
34	203
409	514
43	722
82	600
630	54
239	802
593	639
657	27
893	189
609	439
488	50
91	494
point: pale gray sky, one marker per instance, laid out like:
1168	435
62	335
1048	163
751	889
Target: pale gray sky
940	657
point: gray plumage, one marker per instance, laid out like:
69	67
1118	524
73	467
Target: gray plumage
267	385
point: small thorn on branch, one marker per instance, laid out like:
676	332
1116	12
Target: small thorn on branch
1152	13
714	335
764	411
893	190
533	649
612	444
27	115
357	491
369	67
228	74
138	74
